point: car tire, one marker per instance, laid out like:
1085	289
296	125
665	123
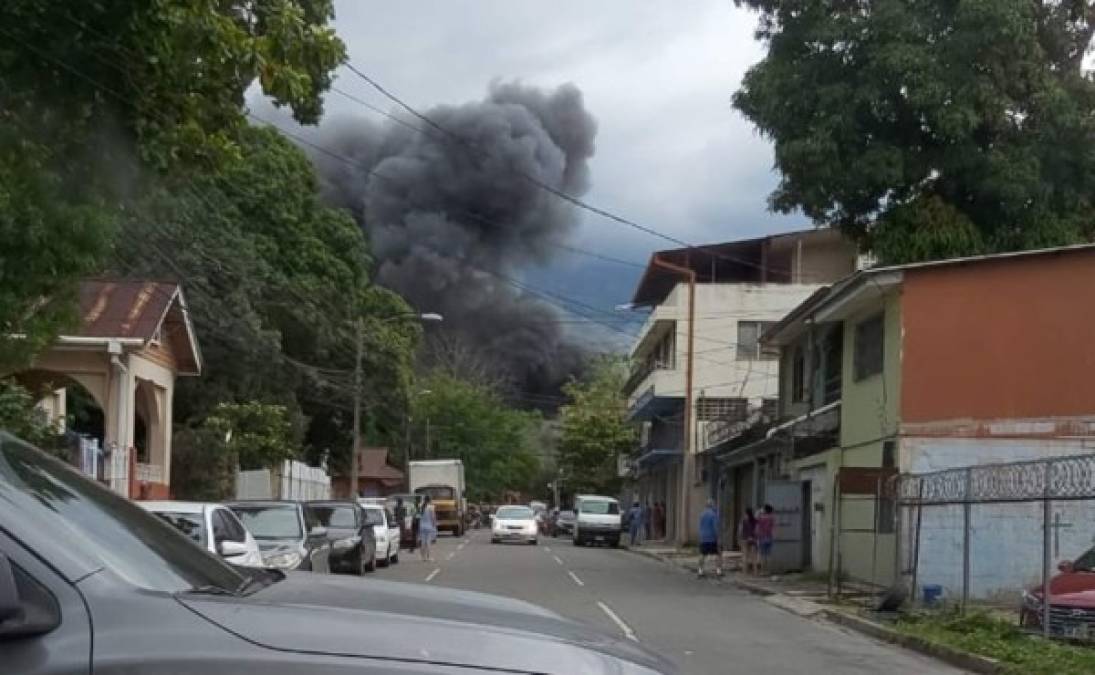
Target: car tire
534	542
615	543
493	540
371	565
383	562
395	558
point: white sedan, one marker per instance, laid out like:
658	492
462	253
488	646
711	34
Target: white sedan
213	527
385	529
514	523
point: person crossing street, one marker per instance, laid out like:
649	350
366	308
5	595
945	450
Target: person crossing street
709	539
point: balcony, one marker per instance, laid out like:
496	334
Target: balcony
660	392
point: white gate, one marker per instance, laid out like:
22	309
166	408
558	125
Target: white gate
785	496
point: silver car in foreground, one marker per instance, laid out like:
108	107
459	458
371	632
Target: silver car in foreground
71	550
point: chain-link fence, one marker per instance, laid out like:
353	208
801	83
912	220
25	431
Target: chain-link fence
999	535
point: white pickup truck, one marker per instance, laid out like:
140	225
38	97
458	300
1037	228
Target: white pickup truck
597	519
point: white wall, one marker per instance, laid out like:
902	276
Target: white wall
1005	538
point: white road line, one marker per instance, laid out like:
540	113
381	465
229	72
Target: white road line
547	549
449	556
461	546
558	559
628	633
432	575
575	578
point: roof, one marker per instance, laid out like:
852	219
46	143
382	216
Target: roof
177	506
742	261
138	310
850	293
373	463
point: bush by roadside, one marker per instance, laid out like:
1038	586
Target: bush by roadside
984	634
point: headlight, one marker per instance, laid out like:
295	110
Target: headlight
343	544
287	560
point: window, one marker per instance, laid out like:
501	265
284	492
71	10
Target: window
868	347
749	348
798	376
728	409
226	527
598	507
373	515
270	522
337	517
189	524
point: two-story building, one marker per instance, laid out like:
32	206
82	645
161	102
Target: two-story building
923	367
738	290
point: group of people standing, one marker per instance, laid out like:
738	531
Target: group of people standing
646	521
756	534
423	524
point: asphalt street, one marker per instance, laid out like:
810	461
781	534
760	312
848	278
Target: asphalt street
701	626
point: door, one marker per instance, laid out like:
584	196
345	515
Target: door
785	496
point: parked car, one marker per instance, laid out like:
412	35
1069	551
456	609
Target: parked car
597	520
563	524
289	538
1072	600
214	527
353	544
386	531
514	523
71	550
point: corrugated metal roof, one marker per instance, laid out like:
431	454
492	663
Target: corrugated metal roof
123	309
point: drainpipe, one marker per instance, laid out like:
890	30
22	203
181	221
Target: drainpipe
119	484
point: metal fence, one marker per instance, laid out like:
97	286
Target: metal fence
1000	534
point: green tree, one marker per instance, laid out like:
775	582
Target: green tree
470	422
20	416
595	430
94	95
930	129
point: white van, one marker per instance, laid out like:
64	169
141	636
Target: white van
597	519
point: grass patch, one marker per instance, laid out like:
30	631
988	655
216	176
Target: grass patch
984	634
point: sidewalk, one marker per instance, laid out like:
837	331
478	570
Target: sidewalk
808	597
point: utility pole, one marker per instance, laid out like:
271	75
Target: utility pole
427	436
360	329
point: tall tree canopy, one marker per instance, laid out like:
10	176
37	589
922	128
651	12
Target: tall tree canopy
930	129
595	430
94	95
471	422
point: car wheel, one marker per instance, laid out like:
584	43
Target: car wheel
493	540
534	542
395	558
615	543
382	562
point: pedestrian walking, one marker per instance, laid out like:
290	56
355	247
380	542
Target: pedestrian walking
648	516
766	526
747	535
709	539
634	523
400	512
427	529
661	521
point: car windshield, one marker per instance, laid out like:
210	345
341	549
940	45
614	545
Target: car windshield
599	507
435	492
1085	563
46	495
566	515
270	521
189	524
374	516
514	513
335	516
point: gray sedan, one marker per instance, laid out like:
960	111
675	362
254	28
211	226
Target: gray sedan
71	550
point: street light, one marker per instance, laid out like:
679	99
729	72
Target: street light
427	316
407	447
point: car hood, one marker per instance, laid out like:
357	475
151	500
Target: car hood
414	622
1071	589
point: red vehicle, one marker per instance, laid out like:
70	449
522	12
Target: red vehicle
1072	600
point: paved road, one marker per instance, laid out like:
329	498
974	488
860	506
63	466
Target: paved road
703	627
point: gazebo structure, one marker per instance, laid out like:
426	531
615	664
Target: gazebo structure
134	338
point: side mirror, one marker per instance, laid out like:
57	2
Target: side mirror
1065	566
228	548
317	532
27	609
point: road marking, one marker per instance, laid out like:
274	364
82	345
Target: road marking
547	549
461	546
449	556
558	559
575	578
432	575
628	633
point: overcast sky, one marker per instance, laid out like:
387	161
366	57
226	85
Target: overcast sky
672	153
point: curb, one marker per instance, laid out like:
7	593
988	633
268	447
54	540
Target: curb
955	657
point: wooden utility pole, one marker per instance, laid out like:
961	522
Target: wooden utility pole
360	329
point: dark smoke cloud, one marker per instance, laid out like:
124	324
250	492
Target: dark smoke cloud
451	220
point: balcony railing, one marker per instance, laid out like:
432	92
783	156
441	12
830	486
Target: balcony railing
640	371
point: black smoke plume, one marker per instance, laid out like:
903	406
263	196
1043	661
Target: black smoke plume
455	213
